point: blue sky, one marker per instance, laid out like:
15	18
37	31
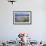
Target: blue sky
21	14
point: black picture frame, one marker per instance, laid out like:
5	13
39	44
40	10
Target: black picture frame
22	17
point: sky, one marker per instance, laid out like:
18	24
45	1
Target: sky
22	13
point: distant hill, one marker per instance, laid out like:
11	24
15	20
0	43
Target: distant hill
22	18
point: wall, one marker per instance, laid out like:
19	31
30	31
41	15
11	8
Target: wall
9	31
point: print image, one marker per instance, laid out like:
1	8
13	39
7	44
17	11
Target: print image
22	17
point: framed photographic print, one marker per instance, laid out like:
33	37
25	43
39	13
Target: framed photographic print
22	17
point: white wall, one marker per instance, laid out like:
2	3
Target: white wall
9	31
